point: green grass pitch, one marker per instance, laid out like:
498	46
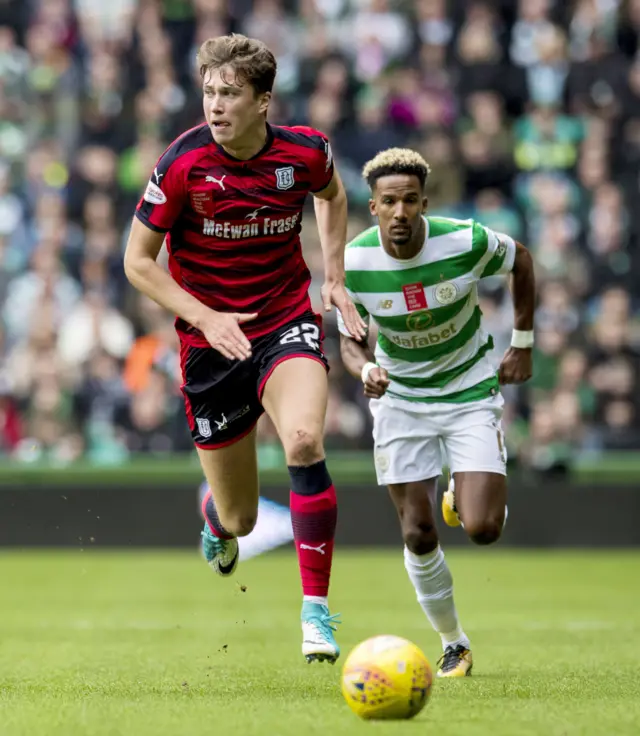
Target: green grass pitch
154	644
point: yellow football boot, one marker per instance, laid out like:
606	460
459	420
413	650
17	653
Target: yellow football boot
455	662
449	512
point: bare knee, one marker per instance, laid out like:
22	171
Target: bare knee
303	447
238	524
484	531
419	537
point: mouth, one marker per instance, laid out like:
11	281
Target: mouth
219	125
400	229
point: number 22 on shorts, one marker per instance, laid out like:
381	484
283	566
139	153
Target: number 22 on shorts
306	332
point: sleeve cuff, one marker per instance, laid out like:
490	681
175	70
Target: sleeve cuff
150	225
327	182
510	256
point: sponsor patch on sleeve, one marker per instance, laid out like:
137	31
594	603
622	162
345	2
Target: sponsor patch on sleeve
154	195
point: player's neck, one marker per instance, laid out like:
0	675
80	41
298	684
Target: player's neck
406	251
250	144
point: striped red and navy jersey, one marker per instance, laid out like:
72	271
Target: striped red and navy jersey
234	226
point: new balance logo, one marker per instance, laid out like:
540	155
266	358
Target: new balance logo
253	215
219	181
319	548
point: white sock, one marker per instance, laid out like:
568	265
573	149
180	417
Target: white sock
322	599
433	584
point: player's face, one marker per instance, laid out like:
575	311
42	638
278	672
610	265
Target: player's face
399	203
233	109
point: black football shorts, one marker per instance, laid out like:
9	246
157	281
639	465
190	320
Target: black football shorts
223	397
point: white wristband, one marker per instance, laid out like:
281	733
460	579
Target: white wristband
366	369
522	339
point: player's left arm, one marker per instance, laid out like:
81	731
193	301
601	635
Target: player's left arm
517	364
330	204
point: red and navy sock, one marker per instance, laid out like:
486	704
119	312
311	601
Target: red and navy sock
211	517
314	514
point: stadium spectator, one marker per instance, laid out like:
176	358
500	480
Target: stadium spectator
529	114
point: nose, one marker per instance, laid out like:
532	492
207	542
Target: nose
216	105
399	212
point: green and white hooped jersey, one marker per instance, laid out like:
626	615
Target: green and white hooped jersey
430	336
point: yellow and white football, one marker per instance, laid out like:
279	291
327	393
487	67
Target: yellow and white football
386	678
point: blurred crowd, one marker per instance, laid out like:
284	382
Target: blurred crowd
528	112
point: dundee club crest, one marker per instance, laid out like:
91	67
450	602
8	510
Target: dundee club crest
284	177
204	427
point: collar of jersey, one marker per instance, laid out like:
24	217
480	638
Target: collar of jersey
264	148
417	255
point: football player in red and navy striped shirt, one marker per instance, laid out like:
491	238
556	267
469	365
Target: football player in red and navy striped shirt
228	196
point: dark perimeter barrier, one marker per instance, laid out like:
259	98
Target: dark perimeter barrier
157	506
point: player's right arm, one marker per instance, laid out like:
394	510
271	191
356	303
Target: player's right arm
358	358
145	274
159	208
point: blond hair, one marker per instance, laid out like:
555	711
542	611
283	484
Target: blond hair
250	59
396	161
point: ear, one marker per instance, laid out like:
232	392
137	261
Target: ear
425	204
264	102
372	207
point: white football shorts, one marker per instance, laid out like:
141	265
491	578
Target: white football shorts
411	439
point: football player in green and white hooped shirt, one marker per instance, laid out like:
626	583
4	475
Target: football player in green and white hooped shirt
431	379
